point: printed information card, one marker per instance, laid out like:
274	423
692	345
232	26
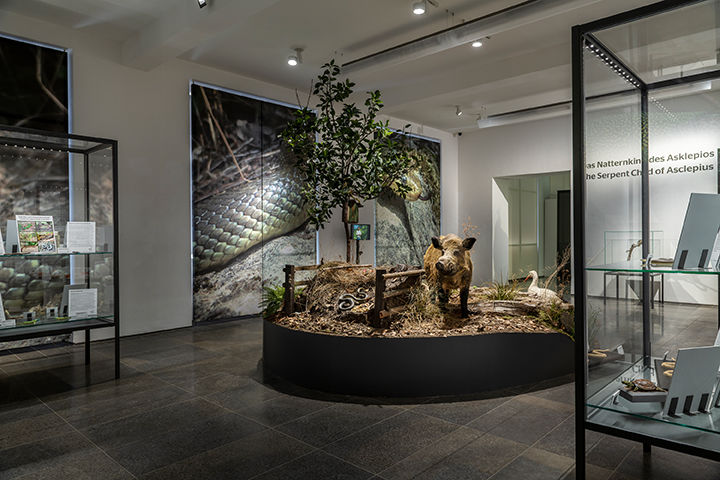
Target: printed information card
82	303
36	233
80	237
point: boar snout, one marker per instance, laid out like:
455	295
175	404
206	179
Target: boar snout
445	267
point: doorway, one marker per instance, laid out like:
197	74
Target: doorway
531	225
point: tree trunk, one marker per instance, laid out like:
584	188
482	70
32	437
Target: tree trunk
348	236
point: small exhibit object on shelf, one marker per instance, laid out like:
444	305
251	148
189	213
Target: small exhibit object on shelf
64	299
36	233
693	380
11	237
28	317
82	303
699	232
4	321
80	237
51	312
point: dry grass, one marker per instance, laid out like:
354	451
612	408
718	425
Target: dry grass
331	282
421	307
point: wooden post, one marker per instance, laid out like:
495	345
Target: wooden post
289	301
379	296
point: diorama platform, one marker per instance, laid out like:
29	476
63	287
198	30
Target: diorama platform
414	366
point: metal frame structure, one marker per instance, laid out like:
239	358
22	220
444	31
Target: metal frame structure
64	143
582	38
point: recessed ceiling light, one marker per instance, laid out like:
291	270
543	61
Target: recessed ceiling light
296	59
476	44
202	3
458	110
419	8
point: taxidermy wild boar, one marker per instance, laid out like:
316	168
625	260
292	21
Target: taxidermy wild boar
448	266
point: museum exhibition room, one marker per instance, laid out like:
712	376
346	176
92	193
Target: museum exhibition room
379	239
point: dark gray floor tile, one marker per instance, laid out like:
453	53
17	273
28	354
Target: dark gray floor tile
561	440
249	392
534	464
282	409
330	424
94	466
386	443
85	414
592	472
49	453
58	400
425	458
192	437
179	355
318	465
529	419
242	459
478	460
664	464
39	423
563	393
461	413
150	423
609	452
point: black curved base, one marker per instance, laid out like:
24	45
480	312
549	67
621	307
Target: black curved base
414	367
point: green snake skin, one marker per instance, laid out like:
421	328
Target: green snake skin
232	222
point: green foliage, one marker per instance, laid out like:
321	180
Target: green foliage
273	298
344	153
502	291
559	318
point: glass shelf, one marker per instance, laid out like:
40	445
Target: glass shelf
36	255
40	322
637	267
607	400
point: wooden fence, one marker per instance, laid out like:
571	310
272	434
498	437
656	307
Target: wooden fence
379	312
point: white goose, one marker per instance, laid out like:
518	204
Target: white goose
544	293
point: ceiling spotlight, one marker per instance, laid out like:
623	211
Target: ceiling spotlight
458	111
202	3
476	44
419	8
294	60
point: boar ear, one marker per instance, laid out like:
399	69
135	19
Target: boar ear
436	243
468	243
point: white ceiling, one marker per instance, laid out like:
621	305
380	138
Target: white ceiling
515	69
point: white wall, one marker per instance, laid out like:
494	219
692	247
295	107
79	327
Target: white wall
525	148
148	113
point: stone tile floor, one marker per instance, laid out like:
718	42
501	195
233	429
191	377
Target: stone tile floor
191	405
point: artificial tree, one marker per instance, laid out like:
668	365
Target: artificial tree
344	154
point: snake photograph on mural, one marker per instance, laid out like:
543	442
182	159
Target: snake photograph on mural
248	216
404	227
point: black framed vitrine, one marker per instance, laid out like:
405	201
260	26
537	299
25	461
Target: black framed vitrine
58	218
646	138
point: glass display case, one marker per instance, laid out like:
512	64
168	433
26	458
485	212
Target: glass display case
646	132
58	218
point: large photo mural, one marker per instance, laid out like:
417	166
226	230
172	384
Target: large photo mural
404	227
248	217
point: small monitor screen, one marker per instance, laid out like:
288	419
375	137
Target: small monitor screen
361	231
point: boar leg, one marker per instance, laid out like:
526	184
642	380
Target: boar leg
464	294
444	298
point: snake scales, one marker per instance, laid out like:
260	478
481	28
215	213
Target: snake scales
230	223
